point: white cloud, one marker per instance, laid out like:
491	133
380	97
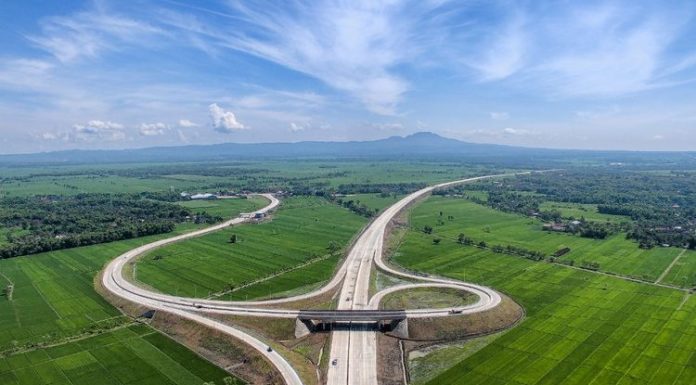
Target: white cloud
49	136
187	123
351	46
96	130
96	126
308	125
658	137
87	34
153	129
500	115
224	121
297	127
516	131
503	51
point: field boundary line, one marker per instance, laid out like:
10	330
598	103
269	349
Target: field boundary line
46	301
71	339
6	278
269	277
604	273
671	265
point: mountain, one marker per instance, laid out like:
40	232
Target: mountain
420	145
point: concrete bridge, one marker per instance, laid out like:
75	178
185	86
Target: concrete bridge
352	315
316	321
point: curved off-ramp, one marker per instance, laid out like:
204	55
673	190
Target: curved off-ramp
354	350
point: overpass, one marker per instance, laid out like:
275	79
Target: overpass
351	315
317	321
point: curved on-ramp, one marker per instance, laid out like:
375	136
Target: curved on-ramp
353	276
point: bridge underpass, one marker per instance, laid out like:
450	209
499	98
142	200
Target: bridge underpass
318	321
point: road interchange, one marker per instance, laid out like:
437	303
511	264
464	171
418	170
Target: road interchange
353	350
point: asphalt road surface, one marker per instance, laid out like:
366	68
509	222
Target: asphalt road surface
355	349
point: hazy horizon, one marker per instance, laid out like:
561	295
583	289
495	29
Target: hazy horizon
107	75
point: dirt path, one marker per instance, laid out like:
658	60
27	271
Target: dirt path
667	270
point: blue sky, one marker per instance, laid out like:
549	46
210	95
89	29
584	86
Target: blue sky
565	74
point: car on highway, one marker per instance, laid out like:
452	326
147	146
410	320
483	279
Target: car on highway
334	362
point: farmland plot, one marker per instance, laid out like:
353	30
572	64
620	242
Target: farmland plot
614	254
580	327
301	230
127	356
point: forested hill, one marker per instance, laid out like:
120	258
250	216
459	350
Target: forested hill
420	145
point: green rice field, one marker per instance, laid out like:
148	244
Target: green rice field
580	327
615	254
53	295
300	231
136	355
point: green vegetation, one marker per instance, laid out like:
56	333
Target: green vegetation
426	365
581	327
683	273
53	297
44	223
427	298
303	229
126	356
580	210
303	177
225	208
615	254
662	205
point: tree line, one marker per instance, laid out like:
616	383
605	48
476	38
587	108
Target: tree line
43	223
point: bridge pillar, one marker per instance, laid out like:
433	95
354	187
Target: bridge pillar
400	328
303	327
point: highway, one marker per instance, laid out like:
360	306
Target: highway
354	349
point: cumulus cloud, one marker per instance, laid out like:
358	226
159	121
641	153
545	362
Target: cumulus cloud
308	125
297	127
500	115
516	131
187	123
224	121
91	131
97	126
153	129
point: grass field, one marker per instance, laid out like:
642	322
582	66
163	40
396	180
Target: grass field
267	175
136	355
226	208
683	273
614	254
579	210
53	295
580	327
300	230
424	298
424	366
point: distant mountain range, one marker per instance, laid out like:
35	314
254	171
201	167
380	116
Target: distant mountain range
416	146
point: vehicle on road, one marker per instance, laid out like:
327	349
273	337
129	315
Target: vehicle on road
334	362
269	349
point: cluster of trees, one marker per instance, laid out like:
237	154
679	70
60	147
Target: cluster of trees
588	265
44	223
594	230
357	207
366	188
662	206
518	251
509	249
